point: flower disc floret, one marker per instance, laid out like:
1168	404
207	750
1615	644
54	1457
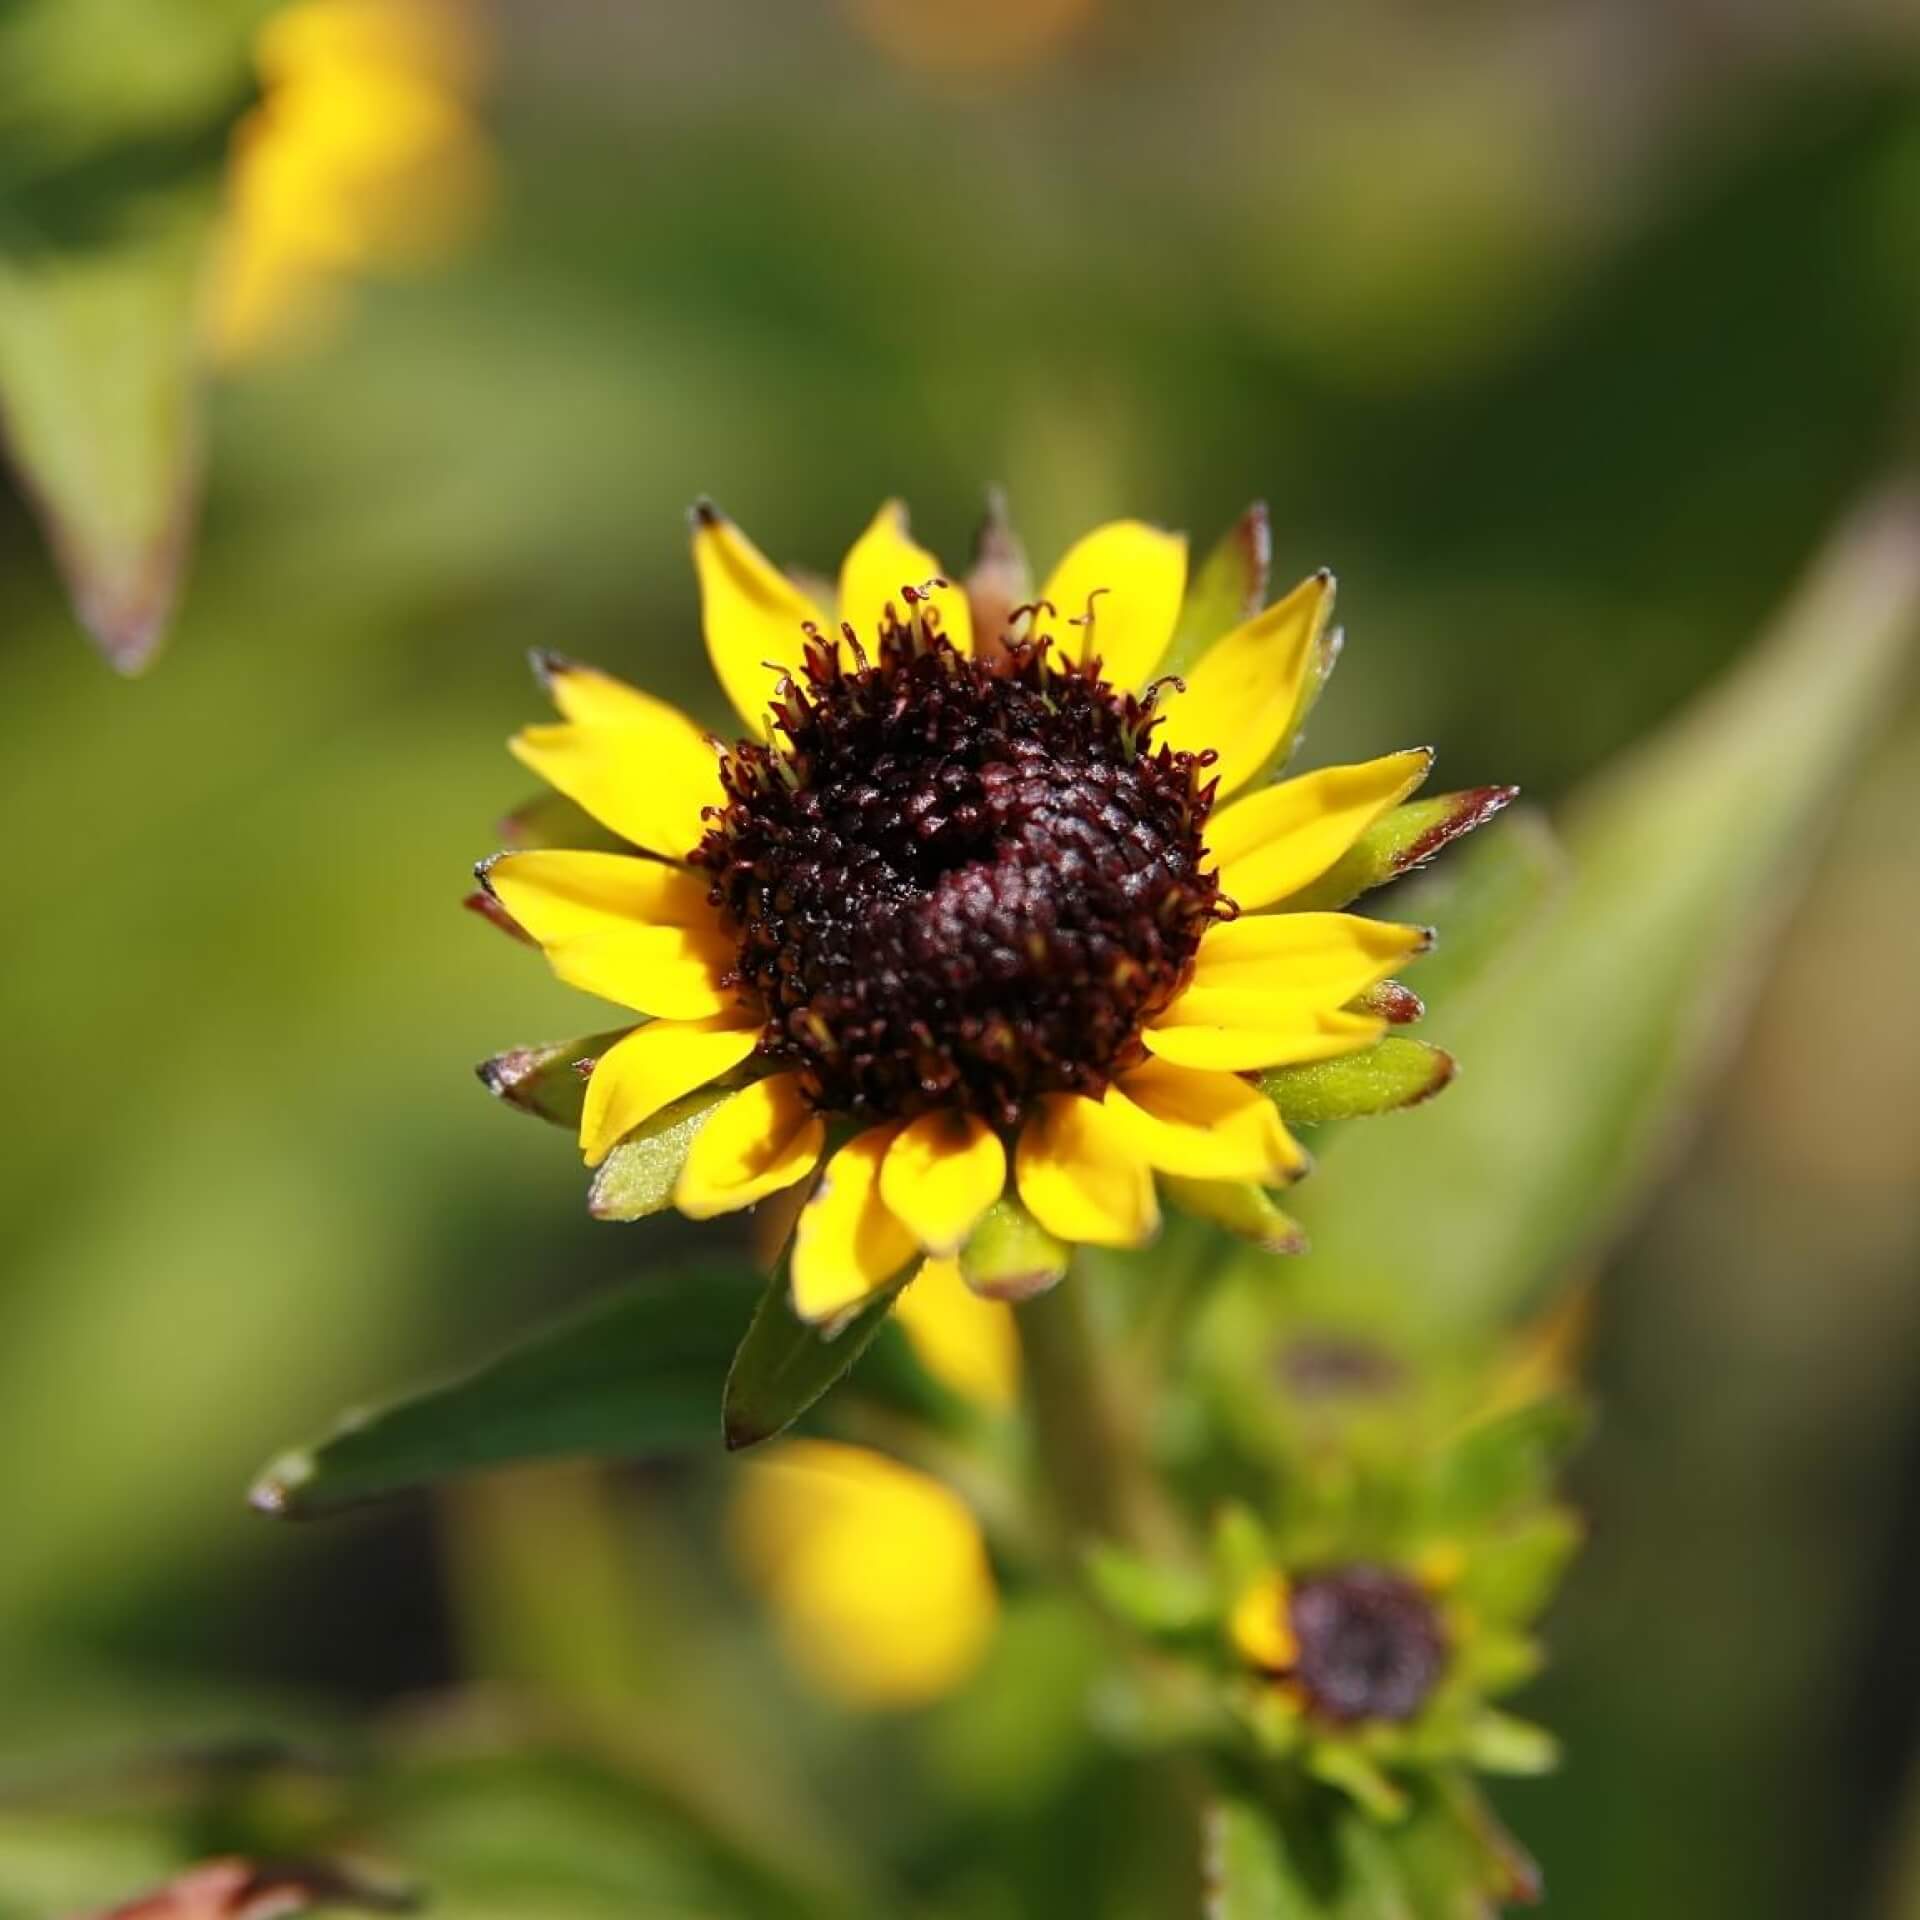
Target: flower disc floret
959	883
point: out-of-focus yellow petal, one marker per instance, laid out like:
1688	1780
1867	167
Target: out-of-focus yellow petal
634	931
636	764
942	1172
1274	842
965	1342
763	1139
1207	1126
877	1575
1133	577
1223	1032
653	1065
1240	699
1262	1627
1320	958
883	561
1082	1177
752	613
848	1244
1242	1208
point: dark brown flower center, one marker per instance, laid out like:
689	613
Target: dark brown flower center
1370	1644
959	884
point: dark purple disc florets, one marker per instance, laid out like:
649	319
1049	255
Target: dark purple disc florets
959	884
1370	1646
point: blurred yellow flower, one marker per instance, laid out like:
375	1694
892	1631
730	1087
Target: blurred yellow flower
363	155
877	1575
966	1343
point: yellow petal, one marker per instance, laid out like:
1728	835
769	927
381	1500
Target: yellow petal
876	1574
752	613
1207	1126
1081	1176
1262	1626
1276	841
1320	958
633	931
636	764
764	1138
1240	699
1224	1034
965	1342
882	562
941	1174
1133	575
653	1065
848	1245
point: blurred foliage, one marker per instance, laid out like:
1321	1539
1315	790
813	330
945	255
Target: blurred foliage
1565	333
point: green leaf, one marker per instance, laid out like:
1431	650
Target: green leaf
1229	589
1399	841
1248	1876
1152	1595
1395	1072
1579	1053
634	1376
1010	1255
552	820
1498	1743
1246	1211
550	1081
784	1365
98	386
638	1177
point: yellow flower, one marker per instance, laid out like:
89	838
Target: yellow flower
362	155
974	915
877	1575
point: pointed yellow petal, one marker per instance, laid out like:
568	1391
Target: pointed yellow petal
848	1245
764	1138
965	1342
1208	1126
1320	958
942	1173
1276	841
633	931
653	1065
595	698
752	613
1241	698
1261	1626
636	764
1133	575
1081	1176
883	561
1223	1034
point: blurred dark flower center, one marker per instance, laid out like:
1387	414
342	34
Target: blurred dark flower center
1370	1644
959	884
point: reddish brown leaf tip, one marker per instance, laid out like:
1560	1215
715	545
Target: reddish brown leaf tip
236	1889
1392	1002
1445	1068
486	904
703	513
1470	809
548	666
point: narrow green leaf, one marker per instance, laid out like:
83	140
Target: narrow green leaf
1248	1876
1153	1595
1581	1046
784	1365
552	820
1229	588
638	1177
1394	1072
1010	1255
1498	1743
1399	841
550	1081
98	386
634	1376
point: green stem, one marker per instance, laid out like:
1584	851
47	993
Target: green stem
1086	1429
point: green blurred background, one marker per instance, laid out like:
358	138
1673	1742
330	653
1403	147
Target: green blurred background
1562	329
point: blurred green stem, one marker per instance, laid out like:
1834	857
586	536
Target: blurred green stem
1086	1431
